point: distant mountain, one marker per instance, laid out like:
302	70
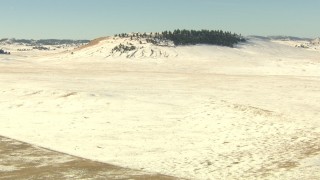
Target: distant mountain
54	45
289	38
259	37
42	42
283	38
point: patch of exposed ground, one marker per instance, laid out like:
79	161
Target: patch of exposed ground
20	160
92	43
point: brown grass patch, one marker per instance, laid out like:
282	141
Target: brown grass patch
32	162
92	43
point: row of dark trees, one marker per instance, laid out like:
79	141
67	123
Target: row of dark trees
190	37
4	52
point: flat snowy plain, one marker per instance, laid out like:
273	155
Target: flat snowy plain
206	112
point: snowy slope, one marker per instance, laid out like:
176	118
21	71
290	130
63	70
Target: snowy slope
103	48
202	112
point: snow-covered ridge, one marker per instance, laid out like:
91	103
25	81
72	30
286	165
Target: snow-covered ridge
311	44
138	48
42	42
110	47
45	46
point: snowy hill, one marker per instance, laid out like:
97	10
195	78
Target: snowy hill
310	44
110	47
139	48
133	48
155	44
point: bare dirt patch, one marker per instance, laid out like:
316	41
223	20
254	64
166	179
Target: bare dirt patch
92	43
20	160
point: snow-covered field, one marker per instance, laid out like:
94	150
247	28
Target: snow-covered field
199	112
